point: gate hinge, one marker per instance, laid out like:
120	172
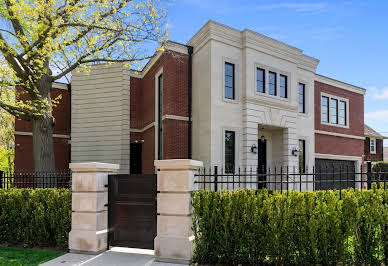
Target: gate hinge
106	186
106	205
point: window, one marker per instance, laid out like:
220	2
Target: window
272	83
372	145
342	113
260	80
229	151
283	86
334	111
301	98
302	156
229	81
160	114
325	109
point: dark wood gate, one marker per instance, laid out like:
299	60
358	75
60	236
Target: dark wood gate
334	174
132	210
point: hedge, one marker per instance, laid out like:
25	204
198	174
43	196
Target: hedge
304	228
40	217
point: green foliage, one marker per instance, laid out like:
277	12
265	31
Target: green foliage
40	217
26	257
303	228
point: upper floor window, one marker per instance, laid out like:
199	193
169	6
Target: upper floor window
372	145
283	86
272	83
230	144
334	111
325	109
229	81
342	113
301	98
260	80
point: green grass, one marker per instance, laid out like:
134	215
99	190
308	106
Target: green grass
23	256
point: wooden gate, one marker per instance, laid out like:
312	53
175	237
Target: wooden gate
132	210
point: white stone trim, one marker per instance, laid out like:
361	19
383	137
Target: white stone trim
338	98
339	84
142	129
322	132
175	117
337	157
59	85
60	136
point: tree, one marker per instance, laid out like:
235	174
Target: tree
45	40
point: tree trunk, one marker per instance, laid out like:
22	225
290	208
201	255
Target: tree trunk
42	132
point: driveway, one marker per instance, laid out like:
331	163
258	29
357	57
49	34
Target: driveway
115	257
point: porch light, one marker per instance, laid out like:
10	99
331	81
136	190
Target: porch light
295	151
254	148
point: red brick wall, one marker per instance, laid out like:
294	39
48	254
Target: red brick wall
378	156
326	144
23	148
175	102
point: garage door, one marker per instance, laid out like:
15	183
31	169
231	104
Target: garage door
334	174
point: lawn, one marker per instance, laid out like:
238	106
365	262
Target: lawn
22	256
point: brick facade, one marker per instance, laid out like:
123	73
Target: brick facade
336	145
175	103
23	138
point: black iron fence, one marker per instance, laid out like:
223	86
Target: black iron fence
288	178
31	179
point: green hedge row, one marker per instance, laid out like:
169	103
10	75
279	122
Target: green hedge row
250	227
40	217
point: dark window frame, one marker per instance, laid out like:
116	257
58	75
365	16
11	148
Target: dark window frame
345	112
302	156
275	84
257	79
302	98
336	111
285	86
232	159
233	80
160	116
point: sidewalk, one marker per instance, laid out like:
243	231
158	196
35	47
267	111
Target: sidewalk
115	257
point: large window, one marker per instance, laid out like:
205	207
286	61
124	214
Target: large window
325	109
272	83
301	98
334	111
230	139
283	86
342	113
229	81
302	156
160	114
260	82
372	145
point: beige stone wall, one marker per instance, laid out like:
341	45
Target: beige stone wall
100	115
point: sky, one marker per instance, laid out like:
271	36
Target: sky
350	38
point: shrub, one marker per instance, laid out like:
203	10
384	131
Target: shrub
256	227
40	217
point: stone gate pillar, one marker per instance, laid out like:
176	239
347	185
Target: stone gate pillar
89	221
175	182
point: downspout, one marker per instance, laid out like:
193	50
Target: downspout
70	105
190	89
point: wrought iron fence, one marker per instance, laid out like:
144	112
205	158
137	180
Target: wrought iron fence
31	179
288	178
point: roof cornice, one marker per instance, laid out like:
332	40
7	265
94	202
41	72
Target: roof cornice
340	84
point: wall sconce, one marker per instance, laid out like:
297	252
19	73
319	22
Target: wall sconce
295	152
254	148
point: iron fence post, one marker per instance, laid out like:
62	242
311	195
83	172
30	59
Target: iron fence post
1	179
368	174
215	178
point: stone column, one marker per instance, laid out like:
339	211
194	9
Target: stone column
89	221
175	182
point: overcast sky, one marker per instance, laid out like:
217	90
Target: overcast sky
350	38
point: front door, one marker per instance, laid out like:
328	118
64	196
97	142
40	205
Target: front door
262	162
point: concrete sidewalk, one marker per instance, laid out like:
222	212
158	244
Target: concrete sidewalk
115	257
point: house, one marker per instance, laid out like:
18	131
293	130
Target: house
373	145
228	98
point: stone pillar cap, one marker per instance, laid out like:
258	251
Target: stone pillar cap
178	164
93	167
